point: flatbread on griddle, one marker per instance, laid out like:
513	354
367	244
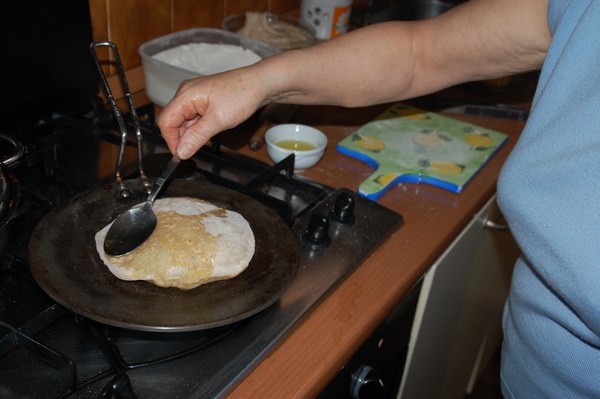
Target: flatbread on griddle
194	243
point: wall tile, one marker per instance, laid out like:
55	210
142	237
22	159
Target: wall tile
99	19
237	6
133	22
281	6
197	14
100	28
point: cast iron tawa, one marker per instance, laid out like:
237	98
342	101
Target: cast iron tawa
65	263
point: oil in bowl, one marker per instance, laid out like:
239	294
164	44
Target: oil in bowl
305	142
296	145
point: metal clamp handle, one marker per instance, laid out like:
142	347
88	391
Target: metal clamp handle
119	116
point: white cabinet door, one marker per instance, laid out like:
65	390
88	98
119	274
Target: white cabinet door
457	325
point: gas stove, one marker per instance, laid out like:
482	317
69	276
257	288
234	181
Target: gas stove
49	351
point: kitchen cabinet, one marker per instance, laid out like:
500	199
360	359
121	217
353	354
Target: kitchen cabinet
457	326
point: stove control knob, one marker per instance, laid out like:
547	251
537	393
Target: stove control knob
366	384
343	209
317	232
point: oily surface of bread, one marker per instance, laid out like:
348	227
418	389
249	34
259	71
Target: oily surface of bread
195	242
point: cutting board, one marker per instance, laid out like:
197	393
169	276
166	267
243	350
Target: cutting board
410	145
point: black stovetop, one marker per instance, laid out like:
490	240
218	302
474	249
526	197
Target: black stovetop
48	351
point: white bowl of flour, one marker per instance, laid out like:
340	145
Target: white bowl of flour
173	58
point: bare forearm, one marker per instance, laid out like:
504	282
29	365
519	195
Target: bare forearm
398	60
363	67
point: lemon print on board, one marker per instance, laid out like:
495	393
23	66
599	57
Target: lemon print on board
409	112
385	179
479	141
368	143
416	116
430	138
441	167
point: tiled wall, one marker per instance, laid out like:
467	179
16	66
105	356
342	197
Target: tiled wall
130	23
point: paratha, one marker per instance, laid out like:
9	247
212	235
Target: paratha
195	242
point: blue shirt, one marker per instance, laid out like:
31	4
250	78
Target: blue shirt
549	191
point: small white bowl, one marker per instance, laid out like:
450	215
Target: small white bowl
289	135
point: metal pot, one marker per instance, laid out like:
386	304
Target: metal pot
10	198
413	10
10	195
409	10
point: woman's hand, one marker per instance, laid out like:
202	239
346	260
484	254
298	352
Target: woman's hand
206	106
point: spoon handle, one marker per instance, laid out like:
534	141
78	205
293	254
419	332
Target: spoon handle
160	182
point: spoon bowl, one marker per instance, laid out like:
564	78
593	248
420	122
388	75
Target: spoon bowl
130	230
133	227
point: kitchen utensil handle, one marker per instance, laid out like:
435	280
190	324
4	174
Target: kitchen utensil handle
160	182
117	112
258	138
271	115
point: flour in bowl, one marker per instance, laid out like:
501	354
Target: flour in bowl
207	58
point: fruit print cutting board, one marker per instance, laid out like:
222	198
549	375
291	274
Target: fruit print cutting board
407	144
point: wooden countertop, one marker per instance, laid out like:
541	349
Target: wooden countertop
314	352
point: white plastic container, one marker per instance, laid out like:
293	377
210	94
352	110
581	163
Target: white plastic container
330	18
162	79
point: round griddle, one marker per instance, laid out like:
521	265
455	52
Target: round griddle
65	263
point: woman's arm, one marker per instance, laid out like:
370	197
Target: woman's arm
386	62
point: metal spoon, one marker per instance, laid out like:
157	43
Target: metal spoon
133	227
